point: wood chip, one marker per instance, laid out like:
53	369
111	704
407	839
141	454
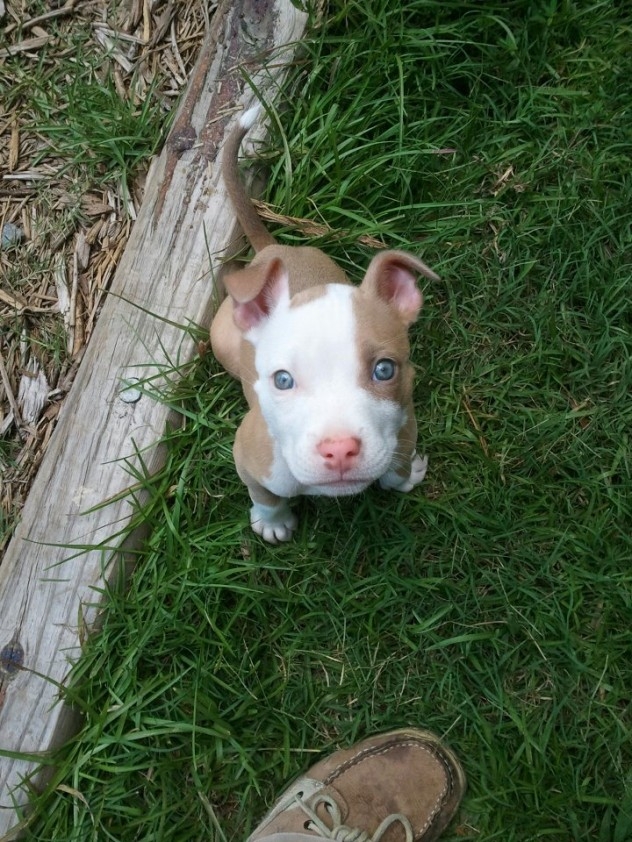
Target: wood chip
14	300
111	48
63	293
32	393
14	144
25	46
4	375
82	250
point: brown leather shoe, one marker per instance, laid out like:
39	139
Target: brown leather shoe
402	786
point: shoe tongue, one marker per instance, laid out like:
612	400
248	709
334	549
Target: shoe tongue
304	789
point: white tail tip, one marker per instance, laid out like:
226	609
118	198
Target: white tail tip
249	117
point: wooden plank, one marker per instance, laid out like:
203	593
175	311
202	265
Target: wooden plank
47	598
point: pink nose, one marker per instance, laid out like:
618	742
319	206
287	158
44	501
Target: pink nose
339	454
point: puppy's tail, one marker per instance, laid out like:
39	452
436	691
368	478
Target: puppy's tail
254	228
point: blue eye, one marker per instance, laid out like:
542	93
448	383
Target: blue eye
384	370
283	380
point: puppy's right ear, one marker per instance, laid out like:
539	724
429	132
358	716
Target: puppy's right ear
256	291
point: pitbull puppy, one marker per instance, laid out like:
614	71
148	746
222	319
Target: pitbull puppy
323	364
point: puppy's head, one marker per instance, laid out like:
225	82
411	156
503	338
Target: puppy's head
330	368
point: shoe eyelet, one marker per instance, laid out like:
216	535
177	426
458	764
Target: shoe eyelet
308	825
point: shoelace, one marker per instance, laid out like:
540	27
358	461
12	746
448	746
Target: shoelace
341	832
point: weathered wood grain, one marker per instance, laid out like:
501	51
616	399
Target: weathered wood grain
164	277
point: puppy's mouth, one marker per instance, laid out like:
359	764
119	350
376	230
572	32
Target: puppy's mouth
344	484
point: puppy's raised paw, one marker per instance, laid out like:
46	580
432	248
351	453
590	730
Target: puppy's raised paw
273	523
394	480
418	469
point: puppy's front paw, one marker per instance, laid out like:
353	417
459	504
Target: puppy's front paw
418	468
273	523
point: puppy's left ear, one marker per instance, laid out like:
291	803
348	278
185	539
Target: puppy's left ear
392	276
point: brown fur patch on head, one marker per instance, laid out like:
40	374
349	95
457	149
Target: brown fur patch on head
381	335
308	295
248	371
306	266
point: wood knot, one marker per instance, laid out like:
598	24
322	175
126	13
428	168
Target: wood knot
11	659
182	140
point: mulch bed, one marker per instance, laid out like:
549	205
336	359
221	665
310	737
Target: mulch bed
63	230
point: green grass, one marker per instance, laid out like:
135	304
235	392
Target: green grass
107	135
493	604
